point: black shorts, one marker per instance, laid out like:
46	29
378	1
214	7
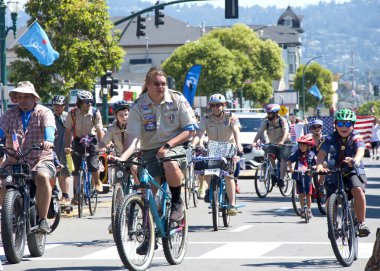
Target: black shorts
375	144
92	158
350	181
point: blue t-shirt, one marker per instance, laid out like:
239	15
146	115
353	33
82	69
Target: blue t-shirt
334	144
298	157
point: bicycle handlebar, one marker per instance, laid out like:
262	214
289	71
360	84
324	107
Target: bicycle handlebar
18	154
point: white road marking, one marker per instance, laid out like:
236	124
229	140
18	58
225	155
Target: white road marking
242	228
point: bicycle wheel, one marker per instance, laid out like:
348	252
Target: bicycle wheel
262	180
321	202
187	186
296	200
226	217
175	242
194	187
36	241
93	199
117	197
13	231
54	214
215	202
341	230
80	192
130	235
288	182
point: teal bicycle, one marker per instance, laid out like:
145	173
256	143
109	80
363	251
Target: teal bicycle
140	222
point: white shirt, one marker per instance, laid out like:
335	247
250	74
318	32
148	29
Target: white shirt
298	128
375	133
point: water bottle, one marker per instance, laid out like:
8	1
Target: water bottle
70	163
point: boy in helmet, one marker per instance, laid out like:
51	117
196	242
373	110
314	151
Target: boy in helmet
304	158
84	120
346	147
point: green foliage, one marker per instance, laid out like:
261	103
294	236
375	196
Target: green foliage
229	58
366	109
80	30
314	74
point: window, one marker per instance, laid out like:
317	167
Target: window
250	124
291	62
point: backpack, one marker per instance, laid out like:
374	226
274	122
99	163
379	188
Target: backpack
72	113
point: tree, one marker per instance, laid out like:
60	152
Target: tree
321	77
80	30
370	108
237	56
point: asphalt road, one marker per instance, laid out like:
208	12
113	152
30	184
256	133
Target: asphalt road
266	235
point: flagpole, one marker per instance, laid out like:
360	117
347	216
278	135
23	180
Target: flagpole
303	85
23	33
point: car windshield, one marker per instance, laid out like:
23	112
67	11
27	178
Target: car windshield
250	124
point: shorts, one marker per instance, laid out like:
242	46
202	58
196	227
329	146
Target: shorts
350	181
45	166
156	169
92	158
282	152
308	186
375	144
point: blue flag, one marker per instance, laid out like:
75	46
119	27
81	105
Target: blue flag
315	92
37	42
191	83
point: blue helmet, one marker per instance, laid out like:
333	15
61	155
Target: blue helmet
120	105
272	108
315	122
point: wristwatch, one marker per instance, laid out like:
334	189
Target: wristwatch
167	146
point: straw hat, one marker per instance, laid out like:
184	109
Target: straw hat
24	87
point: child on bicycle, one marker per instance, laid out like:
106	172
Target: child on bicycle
346	148
304	158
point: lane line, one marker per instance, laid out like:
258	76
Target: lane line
242	228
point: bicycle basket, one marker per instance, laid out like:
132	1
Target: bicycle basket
211	164
224	149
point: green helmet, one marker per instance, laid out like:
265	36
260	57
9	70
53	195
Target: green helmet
345	114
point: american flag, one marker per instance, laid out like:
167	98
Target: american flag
16	146
328	124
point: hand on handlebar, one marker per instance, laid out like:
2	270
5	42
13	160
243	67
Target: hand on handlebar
350	161
67	150
47	145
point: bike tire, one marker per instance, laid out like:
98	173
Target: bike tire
187	187
342	239
117	198
262	180
93	199
12	233
296	200
215	202
226	217
194	186
54	222
129	234
80	193
321	202
36	241
286	191
175	242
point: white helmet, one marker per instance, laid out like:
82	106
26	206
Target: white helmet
84	95
217	98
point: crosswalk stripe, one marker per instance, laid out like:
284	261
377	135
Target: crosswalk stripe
242	228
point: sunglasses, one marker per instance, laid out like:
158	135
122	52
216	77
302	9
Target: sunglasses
343	123
159	84
215	105
88	102
316	127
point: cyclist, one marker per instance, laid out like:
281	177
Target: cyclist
346	147
63	175
84	120
375	139
304	158
164	122
221	126
315	127
32	123
277	129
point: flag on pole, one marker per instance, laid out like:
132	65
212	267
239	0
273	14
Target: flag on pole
315	92
36	41
191	83
364	126
16	146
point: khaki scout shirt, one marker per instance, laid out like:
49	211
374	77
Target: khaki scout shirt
275	131
156	124
84	124
219	130
114	134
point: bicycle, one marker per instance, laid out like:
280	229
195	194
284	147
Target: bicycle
317	195
139	222
19	216
85	193
266	175
191	181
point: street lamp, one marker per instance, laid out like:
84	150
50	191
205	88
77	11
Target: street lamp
303	84
13	6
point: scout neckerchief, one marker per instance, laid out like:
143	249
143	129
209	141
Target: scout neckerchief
342	147
122	130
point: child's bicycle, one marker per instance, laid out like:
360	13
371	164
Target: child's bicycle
139	222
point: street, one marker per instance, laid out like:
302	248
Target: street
266	235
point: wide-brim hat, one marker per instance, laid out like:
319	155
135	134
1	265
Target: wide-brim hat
24	87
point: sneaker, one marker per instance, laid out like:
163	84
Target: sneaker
377	157
302	214
64	201
237	189
74	201
110	229
232	211
364	231
310	214
99	187
143	248
176	211
207	196
43	226
201	193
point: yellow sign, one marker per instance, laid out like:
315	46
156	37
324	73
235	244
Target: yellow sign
283	110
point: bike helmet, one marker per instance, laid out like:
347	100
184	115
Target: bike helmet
315	122
307	139
120	105
345	114
58	99
272	108
84	95
217	98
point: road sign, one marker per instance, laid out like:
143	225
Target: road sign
283	110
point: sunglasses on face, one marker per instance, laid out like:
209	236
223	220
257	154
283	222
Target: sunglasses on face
316	127
215	105
159	84
342	123
88	102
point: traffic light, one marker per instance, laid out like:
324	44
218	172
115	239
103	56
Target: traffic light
106	79
376	90
158	16
140	26
114	87
231	9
